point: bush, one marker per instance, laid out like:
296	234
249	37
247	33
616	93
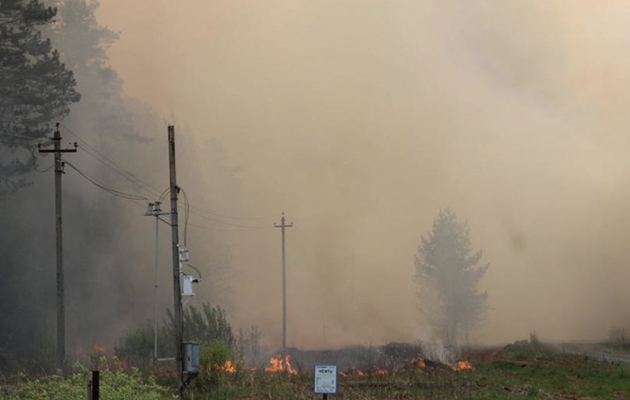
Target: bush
214	354
203	326
114	385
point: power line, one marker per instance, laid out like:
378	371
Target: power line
43	170
113	165
223	229
224	222
34	156
103	159
186	214
241	218
115	192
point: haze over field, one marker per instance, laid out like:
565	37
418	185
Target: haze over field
362	119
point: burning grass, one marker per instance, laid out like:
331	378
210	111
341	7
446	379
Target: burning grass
485	374
281	363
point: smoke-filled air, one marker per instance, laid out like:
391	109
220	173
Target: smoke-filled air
364	122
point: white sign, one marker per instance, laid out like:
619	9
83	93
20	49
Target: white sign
325	379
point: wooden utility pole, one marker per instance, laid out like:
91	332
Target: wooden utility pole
177	292
284	283
61	327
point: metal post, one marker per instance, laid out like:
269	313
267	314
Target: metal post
96	386
177	293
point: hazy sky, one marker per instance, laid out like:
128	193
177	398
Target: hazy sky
362	119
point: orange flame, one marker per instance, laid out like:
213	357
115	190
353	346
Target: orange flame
419	362
98	348
279	364
380	372
228	366
462	365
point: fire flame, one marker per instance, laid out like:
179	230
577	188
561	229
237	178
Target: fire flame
419	362
462	365
280	364
98	348
100	355
228	366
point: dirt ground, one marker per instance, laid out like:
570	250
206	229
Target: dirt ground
595	351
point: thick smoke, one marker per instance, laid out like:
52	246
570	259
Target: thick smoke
361	120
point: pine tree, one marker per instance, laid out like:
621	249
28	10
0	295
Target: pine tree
35	86
448	277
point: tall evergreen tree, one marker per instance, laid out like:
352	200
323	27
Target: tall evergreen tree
448	277
35	86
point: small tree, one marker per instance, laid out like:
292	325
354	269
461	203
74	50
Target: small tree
448	279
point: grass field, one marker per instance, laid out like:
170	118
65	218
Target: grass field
513	372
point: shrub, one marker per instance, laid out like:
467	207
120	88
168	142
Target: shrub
114	385
203	326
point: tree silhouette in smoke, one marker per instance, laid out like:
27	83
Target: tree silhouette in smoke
447	276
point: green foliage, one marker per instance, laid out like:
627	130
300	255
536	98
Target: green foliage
114	385
500	377
215	358
206	326
214	353
448	277
137	345
35	86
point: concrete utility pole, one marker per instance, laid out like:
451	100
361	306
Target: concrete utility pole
61	326
177	292
284	283
155	210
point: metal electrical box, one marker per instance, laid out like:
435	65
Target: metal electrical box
191	357
187	285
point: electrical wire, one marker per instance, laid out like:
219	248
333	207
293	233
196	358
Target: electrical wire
195	268
34	157
163	195
199	214
100	157
115	192
91	151
44	170
186	214
207	228
240	218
